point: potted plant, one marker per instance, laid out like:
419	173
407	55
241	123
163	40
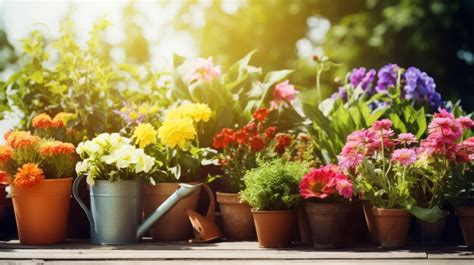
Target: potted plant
438	155
181	158
115	171
327	192
382	173
271	190
40	173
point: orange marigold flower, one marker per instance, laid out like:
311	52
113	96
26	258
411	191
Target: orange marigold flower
3	177
28	175
42	121
61	119
6	153
56	148
19	139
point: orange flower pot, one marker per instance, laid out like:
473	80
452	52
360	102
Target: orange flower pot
41	211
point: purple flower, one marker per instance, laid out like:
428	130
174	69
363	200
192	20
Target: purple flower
341	93
361	77
421	87
387	77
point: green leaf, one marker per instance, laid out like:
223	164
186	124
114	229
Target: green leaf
421	121
397	122
177	60
37	77
428	215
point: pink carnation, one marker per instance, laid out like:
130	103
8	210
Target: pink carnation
404	156
284	93
204	70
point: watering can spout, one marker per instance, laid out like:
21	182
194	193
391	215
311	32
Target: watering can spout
182	192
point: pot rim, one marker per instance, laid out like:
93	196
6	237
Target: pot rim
390	211
272	212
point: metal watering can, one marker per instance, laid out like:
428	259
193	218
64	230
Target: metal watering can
116	209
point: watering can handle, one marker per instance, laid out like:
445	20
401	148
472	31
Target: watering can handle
75	192
212	205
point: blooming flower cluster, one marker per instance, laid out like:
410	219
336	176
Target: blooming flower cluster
44	121
203	70
179	125
116	154
28	175
136	113
51	148
415	84
145	134
326	182
21	139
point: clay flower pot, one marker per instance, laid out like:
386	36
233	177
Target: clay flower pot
392	226
466	219
357	229
41	211
328	222
274	228
175	224
432	232
236	217
370	221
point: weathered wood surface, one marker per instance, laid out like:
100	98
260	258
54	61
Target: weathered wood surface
147	252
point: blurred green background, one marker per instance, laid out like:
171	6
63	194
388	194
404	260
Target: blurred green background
434	35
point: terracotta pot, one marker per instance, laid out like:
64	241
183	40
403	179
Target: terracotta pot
357	229
432	232
274	228
370	221
41	211
175	224
392	226
236	217
3	201
466	219
304	230
328	222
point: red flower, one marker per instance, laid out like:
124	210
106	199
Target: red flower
283	140
223	138
241	136
42	121
270	133
260	114
4	177
251	128
256	144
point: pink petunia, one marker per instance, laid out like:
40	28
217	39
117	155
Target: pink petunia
283	93
204	70
404	156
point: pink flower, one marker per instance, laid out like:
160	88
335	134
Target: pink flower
406	138
442	113
384	124
204	70
466	122
350	157
323	182
284	93
404	156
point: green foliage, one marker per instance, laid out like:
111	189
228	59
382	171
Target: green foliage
274	185
459	190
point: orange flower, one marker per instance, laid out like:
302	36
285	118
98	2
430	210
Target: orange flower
56	148
28	175
42	121
6	153
61	119
19	139
3	177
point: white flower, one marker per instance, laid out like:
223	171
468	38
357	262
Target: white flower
145	164
82	167
88	147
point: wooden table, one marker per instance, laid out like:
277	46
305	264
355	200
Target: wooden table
227	253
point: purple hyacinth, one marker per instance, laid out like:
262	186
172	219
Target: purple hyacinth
361	77
341	93
421	87
387	77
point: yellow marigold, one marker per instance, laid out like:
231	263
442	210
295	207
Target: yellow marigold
144	134
42	121
56	148
62	118
6	153
176	132
19	139
28	175
195	111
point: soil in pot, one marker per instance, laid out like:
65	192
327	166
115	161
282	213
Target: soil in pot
41	211
328	222
274	228
357	228
236	217
175	224
432	232
466	219
392	226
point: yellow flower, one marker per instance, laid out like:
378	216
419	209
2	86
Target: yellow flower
133	115
195	111
176	132
144	134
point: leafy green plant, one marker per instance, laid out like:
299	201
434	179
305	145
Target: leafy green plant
274	185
